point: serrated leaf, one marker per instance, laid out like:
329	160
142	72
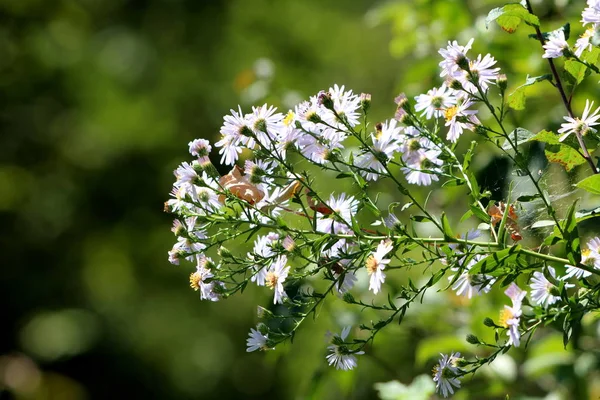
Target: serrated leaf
590	184
559	152
510	17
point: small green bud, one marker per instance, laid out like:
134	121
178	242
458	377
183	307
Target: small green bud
456	85
472	339
365	102
502	82
463	63
348	298
489	322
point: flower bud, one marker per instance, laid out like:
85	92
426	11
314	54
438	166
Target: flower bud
348	298
401	100
463	63
502	82
489	322
325	99
454	84
472	339
365	102
224	252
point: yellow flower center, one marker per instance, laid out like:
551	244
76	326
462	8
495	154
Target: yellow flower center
289	118
505	315
195	280
450	112
271	280
371	265
586	259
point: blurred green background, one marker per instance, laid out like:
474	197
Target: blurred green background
98	100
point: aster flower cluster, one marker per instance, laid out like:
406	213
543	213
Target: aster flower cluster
272	220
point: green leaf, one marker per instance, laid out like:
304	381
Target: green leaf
343	175
517	137
479	213
446	227
582	215
543	224
577	72
528	198
510	17
494	263
558	152
571	236
466	216
590	184
420	218
516	100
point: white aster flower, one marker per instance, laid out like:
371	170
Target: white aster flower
555	45
340	356
446	374
200	148
585	41
591	14
343	209
385	144
346	104
435	101
510	317
481	70
413	147
424	170
453	54
206	193
201	280
376	264
185	174
589	257
544	292
263	248
277	274
458	118
256	341
470	285
581	126
235	132
265	124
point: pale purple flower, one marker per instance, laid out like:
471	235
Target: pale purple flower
446	374
376	264
470	285
556	44
339	355
583	125
510	317
435	101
